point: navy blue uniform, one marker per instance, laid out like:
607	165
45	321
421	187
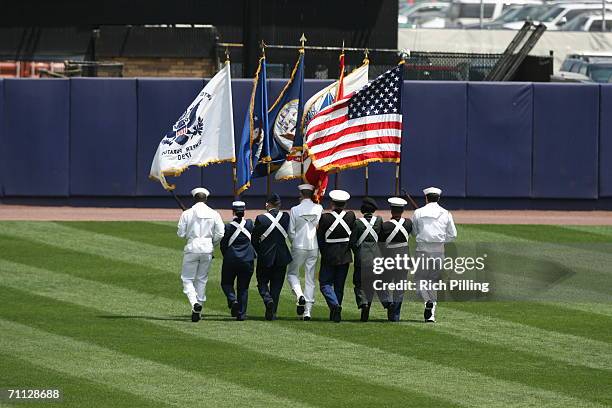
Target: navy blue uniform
397	245
238	260
273	256
364	253
335	256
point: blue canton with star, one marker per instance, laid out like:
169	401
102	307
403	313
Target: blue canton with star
381	96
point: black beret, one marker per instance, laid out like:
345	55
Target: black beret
369	201
273	198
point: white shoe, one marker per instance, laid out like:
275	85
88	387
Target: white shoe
307	311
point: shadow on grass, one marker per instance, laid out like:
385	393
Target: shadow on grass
224	318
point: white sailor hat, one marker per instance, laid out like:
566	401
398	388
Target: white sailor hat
238	205
339	196
432	190
306	187
397	202
200	190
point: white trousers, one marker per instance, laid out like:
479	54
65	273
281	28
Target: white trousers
195	275
307	258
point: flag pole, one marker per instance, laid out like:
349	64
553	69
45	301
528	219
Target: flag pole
398	165
234	181
303	40
263	54
234	174
268	182
367	166
340	94
178	200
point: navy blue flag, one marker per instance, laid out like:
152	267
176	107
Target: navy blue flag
254	148
284	134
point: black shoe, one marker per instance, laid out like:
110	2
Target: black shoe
365	312
427	312
301	306
270	310
195	313
331	314
338	314
241	317
307	318
235	308
390	311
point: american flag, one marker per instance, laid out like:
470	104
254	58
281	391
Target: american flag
365	127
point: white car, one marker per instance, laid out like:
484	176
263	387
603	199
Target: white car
522	13
413	15
467	12
592	21
559	15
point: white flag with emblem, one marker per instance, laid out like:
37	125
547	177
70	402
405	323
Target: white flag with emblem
204	134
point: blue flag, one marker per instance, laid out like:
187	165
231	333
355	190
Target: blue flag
284	133
254	148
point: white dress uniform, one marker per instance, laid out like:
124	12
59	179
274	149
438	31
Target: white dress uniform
303	221
203	228
433	226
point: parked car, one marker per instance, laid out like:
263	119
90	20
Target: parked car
523	12
586	67
467	12
590	21
413	15
559	15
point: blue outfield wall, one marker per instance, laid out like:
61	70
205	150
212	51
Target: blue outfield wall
605	141
35	137
482	141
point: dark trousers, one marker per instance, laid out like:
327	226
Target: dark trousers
331	282
239	273
397	309
270	281
364	287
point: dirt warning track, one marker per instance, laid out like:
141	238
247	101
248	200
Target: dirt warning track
39	213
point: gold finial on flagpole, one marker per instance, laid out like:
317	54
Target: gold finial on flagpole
366	52
227	56
263	48
303	40
343	45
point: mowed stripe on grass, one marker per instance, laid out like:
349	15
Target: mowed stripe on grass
549	343
141	377
77	392
246	369
374	364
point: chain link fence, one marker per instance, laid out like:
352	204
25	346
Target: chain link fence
444	66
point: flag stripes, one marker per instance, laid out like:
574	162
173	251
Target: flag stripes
364	127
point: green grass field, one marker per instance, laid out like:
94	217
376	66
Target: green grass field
96	309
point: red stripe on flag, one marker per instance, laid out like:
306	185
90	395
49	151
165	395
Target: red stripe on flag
354	129
360	142
337	105
327	124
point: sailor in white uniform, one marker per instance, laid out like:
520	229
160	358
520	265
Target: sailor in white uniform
203	228
303	221
433	226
